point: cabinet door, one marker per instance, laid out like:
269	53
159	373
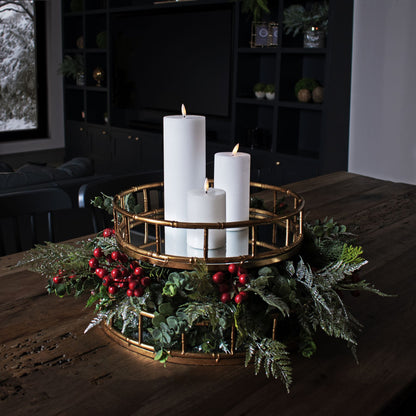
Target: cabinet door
101	148
151	157
77	140
126	151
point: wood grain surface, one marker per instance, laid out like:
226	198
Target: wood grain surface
49	367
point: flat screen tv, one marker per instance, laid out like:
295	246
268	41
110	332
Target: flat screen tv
165	57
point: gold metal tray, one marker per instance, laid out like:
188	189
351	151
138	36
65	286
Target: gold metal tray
275	234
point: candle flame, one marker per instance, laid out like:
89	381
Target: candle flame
235	150
206	185
183	109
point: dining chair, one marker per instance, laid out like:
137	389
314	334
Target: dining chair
87	192
27	217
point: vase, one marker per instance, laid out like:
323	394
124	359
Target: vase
313	38
80	79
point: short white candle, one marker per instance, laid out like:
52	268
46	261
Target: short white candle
184	169
206	206
232	173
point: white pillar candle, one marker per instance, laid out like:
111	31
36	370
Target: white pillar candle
207	206
237	243
232	173
184	169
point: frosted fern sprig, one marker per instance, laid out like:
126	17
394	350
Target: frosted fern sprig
273	356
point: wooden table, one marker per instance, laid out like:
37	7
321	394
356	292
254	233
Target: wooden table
49	367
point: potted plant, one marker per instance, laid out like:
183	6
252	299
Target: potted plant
270	91
255	7
259	90
313	22
304	88
73	67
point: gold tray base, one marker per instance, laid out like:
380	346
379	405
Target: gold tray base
177	357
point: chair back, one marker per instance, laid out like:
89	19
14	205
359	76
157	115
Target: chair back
26	217
87	192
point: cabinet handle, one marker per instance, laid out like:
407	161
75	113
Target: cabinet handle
129	137
136	138
277	163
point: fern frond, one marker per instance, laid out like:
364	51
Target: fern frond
274	357
95	321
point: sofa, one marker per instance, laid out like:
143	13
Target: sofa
69	176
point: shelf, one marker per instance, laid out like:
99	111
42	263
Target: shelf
258	51
300	106
255	101
304	51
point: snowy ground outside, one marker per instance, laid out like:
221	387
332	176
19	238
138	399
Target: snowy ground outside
16	124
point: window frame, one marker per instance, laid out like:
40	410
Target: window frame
41	131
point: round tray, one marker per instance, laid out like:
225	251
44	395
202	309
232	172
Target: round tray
275	229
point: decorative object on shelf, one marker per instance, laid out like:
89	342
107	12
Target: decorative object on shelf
313	38
80	42
197	317
106	118
73	67
270	91
304	88
318	94
273	34
101	40
312	21
258	90
260	35
98	75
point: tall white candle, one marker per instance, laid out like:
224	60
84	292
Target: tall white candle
232	173
184	169
208	206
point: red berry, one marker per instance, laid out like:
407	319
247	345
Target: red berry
115	255
112	290
132	285
115	273
100	272
138	292
57	279
133	265
93	263
243	294
129	292
145	281
225	297
138	271
123	258
98	252
232	268
60	272
218	277
243	279
124	272
238	298
241	270
108	232
72	276
106	280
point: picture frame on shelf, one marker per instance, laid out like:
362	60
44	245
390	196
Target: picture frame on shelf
259	35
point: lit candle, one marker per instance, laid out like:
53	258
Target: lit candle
184	169
207	206
232	173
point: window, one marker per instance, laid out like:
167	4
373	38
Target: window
22	70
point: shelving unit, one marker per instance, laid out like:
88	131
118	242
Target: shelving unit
288	140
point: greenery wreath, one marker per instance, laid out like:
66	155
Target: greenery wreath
305	294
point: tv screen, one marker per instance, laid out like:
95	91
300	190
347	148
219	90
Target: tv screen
163	58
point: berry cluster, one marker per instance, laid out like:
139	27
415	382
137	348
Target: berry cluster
231	284
117	272
60	277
